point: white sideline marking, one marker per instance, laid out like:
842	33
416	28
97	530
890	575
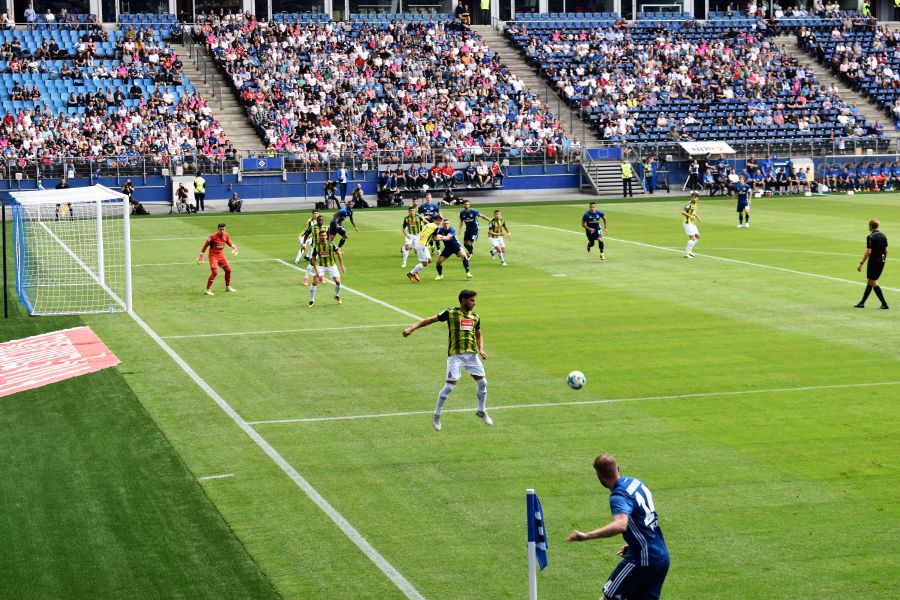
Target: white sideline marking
208	477
274	331
360	294
731	260
788	251
584	402
371	553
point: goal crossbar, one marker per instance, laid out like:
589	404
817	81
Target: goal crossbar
86	202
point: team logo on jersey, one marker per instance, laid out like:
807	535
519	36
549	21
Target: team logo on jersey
467	324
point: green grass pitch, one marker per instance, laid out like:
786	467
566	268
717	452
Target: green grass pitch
759	406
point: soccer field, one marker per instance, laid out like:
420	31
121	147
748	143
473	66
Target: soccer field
249	446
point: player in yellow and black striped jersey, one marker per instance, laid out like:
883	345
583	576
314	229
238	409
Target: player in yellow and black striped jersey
413	223
497	230
313	229
689	218
465	349
305	236
325	259
422	246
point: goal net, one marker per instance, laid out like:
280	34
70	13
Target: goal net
73	250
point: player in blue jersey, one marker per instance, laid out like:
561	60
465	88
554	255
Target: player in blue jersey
447	234
645	558
742	193
336	227
468	217
429	210
591	224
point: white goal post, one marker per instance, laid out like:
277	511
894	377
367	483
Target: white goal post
73	250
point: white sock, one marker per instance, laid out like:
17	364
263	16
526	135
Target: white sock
502	257
690	246
442	397
312	294
299	255
417	268
481	392
405	252
337	290
308	271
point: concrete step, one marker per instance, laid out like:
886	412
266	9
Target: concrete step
225	107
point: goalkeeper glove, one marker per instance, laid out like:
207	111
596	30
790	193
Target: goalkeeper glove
200	258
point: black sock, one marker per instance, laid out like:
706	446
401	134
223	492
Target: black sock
740	219
466	264
866	294
878	293
600	245
469	248
440	268
341	243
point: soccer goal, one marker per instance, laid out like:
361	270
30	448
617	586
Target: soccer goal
73	250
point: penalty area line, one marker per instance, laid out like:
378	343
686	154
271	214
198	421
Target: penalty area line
326	507
721	258
358	293
275	331
808	388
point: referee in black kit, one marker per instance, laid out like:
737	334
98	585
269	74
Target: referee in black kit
876	255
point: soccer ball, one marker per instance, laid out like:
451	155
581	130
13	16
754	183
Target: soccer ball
576	380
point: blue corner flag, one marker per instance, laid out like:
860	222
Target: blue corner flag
536	531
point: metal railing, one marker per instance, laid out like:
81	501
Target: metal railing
197	54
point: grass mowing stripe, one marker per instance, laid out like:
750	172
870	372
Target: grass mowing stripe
194	262
360	294
276	331
721	258
371	553
807	388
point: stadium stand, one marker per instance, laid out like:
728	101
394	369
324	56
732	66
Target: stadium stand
662	81
95	100
318	90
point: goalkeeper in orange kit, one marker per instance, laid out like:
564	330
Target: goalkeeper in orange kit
216	244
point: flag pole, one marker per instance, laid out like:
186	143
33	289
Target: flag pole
532	552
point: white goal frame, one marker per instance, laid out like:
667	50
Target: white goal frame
33	215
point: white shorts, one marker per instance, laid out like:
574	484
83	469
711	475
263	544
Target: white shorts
331	271
423	253
497	242
470	361
411	238
691	229
309	251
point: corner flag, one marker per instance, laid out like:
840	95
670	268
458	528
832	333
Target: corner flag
537	541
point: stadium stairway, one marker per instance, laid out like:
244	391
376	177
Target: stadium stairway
221	100
604	178
871	111
513	59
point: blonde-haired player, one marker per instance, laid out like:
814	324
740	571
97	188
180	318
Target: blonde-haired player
497	230
690	218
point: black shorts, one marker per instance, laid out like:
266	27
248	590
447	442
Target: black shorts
336	230
450	249
593	237
470	236
742	206
874	269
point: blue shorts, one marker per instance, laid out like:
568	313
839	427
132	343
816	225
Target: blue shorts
470	235
335	230
593	237
742	206
628	580
451	249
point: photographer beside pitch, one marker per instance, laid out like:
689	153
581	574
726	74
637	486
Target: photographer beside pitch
645	559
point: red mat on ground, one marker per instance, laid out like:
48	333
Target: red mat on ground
50	357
